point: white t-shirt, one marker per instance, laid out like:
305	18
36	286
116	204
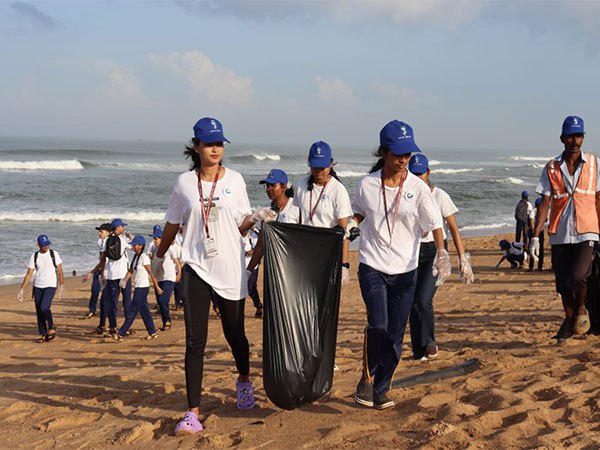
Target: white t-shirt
45	275
169	268
249	242
100	247
417	212
152	249
225	272
140	274
289	214
333	206
447	208
516	248
116	269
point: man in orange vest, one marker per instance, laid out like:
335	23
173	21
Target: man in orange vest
570	188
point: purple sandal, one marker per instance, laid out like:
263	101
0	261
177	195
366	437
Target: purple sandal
245	395
188	425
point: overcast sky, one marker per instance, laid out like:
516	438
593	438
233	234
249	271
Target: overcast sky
464	73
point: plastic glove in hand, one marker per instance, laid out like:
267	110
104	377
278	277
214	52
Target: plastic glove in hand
123	283
20	295
466	272
345	276
441	266
534	248
61	291
351	230
265	214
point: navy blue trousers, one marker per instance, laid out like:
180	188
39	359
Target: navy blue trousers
163	300
43	301
422	317
388	299
521	228
112	300
95	291
139	303
177	294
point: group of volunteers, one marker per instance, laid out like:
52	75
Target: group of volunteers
211	240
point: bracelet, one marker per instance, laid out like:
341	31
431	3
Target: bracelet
346	265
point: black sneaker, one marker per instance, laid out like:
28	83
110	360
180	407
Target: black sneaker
382	401
364	394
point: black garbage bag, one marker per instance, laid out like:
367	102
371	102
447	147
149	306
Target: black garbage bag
302	277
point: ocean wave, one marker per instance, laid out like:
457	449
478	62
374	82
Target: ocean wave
136	166
531	158
434	162
455	170
537	166
71	164
509	180
96	217
486	226
350	173
255	156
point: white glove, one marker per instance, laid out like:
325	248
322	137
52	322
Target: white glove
534	248
20	295
345	276
466	272
441	266
265	214
123	283
61	291
348	233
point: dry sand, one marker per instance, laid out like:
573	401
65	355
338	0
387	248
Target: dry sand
86	391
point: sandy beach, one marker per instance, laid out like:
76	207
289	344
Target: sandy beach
86	391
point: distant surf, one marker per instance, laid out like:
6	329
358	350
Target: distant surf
134	216
21	166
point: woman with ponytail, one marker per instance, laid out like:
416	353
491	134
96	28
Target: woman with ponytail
142	274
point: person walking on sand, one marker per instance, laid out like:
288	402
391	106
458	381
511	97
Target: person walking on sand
532	222
141	272
569	186
422	317
46	264
213	203
322	199
167	271
522	211
114	259
396	208
103	232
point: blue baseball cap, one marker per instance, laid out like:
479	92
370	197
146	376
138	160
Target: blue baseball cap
538	201
572	125
209	130
43	240
399	138
117	223
156	231
504	243
138	240
418	164
524	194
319	155
275	176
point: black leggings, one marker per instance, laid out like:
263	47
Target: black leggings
197	295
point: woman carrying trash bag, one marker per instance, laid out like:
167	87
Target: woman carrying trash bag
213	203
322	199
396	208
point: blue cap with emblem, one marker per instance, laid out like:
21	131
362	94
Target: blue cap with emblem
399	138
209	130
43	240
319	155
138	240
572	125
275	176
418	164
156	231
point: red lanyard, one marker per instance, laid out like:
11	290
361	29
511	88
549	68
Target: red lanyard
387	220
206	209
311	209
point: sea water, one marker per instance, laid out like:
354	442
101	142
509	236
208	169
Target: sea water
66	187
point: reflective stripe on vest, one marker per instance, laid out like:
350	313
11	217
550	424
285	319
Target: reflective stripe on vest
584	196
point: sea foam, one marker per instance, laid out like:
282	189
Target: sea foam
71	164
135	216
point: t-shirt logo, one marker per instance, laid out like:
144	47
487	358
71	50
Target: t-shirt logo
409	196
227	191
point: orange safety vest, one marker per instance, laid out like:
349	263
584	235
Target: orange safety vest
584	196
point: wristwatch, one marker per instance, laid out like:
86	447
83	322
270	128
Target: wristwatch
346	265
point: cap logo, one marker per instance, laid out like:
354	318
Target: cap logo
575	121
318	150
270	174
214	124
403	129
416	160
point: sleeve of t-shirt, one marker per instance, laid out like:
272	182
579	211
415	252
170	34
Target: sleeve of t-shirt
532	213
31	264
174	251
343	207
242	204
429	216
175	209
144	260
57	258
544	187
103	246
293	214
357	201
447	205
529	207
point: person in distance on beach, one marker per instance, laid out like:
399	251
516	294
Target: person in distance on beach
213	203
422	317
396	208
522	211
322	199
46	264
103	232
514	253
570	186
141	272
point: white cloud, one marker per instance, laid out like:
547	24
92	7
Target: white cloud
206	80
120	84
334	90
